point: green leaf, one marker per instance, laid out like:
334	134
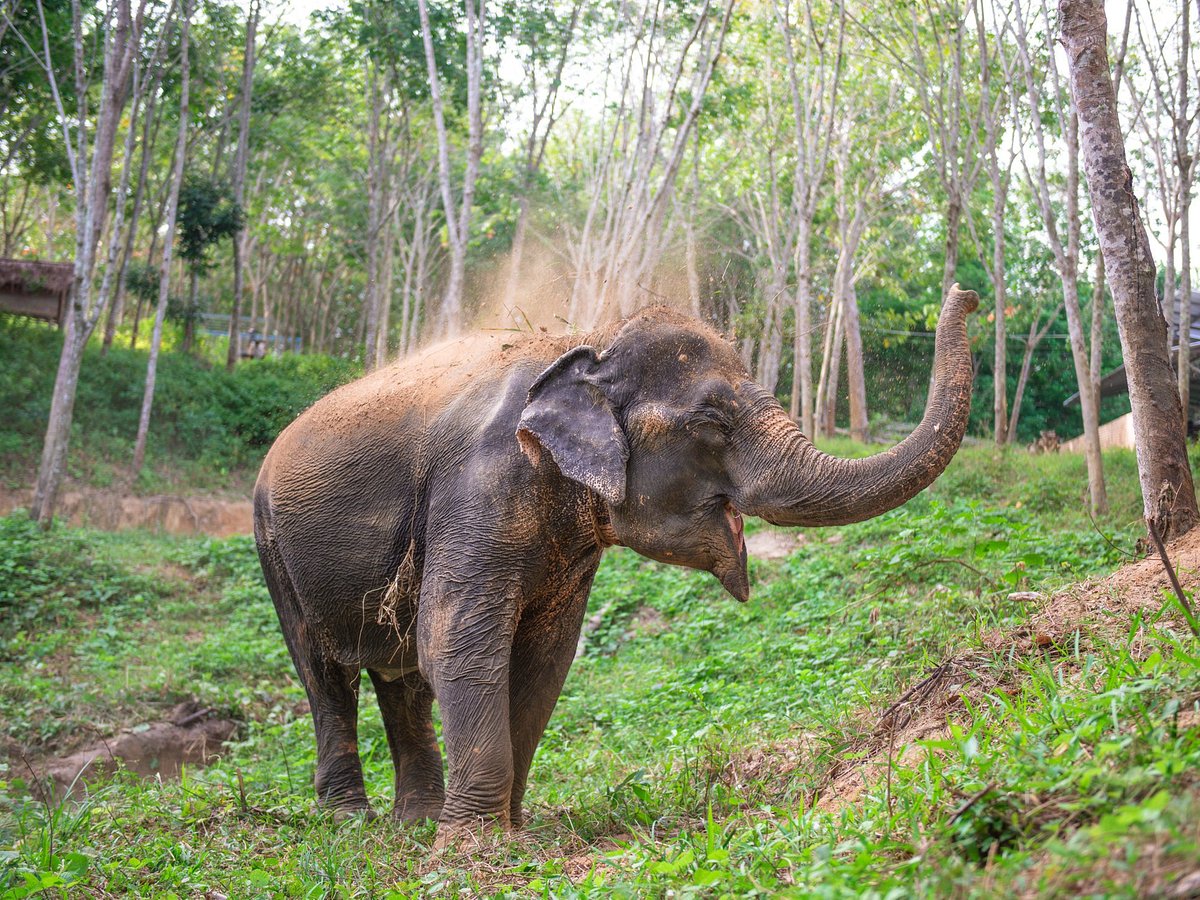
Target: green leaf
705	877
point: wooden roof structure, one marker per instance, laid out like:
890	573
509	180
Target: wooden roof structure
34	288
1114	383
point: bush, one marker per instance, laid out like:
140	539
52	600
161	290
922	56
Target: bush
217	420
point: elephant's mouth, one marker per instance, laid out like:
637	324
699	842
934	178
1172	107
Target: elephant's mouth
731	571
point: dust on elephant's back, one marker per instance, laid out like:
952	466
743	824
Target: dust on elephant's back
350	483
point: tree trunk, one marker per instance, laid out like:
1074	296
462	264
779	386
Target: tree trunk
58	428
388	235
835	375
813	91
117	312
1098	280
1185	317
376	180
690	261
802	390
164	277
239	187
1000	291
1185	164
1168	495
91	183
1096	342
150	127
826	398
770	348
690	256
950	248
855	372
1066	256
1019	393
114	239
458	216
1031	343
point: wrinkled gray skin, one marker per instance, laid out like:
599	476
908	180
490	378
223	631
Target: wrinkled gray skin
438	523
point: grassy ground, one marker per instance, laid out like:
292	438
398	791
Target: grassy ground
881	719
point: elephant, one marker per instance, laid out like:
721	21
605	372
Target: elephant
439	522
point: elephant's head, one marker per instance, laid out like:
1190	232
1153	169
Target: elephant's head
668	428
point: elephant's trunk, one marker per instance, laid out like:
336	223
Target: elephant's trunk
787	481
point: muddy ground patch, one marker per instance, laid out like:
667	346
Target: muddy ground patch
191	735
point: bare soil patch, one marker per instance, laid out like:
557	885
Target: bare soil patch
771	543
117	511
191	736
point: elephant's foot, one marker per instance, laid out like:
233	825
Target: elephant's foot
470	837
349	803
339	784
411	811
352	813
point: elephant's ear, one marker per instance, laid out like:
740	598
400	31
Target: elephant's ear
568	414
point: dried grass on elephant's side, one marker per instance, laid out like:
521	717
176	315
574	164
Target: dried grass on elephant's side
402	587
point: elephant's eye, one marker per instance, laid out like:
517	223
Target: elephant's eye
710	419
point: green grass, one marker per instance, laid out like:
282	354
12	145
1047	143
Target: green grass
700	746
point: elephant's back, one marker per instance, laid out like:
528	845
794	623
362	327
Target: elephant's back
345	491
426	383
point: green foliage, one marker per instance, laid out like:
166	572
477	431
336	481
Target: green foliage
141	280
207	215
45	582
217	421
60	595
696	745
31	140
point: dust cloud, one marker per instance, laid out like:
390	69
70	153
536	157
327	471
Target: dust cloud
540	302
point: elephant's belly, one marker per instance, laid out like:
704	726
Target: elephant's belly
364	622
361	607
385	644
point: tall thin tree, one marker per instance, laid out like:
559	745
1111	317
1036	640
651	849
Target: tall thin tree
1065	248
91	177
813	47
164	278
1168	494
238	183
458	213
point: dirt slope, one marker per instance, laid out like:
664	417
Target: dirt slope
1098	608
116	511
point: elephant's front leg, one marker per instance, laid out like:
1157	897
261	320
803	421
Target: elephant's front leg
542	655
464	645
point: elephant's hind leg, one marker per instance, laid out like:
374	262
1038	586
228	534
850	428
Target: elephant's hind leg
407	709
332	690
333	694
